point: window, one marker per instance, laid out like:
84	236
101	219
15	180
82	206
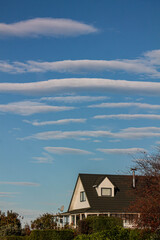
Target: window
82	196
106	192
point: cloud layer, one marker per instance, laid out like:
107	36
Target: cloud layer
64	150
20	184
148	64
57	122
79	84
53	27
125	105
127	133
29	107
122	151
128	116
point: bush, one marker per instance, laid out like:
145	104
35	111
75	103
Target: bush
97	224
82	237
14	238
51	235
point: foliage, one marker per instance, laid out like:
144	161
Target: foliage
97	224
9	224
51	235
26	231
46	221
148	192
119	233
14	238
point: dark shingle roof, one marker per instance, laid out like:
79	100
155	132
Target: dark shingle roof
124	193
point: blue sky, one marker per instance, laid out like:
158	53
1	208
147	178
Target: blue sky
79	93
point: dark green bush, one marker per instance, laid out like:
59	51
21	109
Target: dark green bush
51	235
14	238
96	224
103	223
82	237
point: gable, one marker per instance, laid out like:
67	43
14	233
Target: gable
105	184
76	202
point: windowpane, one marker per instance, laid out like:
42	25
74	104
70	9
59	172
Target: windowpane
82	196
106	191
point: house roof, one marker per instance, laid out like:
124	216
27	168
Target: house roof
124	193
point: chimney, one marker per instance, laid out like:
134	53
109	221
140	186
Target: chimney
134	180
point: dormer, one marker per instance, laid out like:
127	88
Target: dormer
105	188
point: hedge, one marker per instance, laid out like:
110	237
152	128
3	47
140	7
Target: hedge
51	235
14	238
96	224
119	233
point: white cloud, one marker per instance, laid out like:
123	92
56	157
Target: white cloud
125	105
80	135
138	133
75	99
79	84
20	183
122	151
53	27
64	150
127	133
46	158
148	64
57	122
7	194
128	116
97	159
28	107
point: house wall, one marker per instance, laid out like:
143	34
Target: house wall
106	183
76	203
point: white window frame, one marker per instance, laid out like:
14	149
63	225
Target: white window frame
82	196
104	195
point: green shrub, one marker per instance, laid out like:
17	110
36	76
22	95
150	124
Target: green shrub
51	235
97	224
82	237
99	236
14	238
135	234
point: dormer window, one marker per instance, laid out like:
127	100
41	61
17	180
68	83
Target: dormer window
106	192
82	196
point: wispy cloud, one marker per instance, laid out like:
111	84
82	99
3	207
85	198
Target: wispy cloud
75	99
147	64
53	27
64	150
122	150
7	194
45	158
28	107
125	105
127	133
96	159
32	184
57	122
79	84
67	135
128	116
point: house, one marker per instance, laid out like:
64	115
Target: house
102	194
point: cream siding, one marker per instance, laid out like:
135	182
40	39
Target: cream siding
76	203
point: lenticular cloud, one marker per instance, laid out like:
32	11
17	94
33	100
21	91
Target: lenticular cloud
79	84
53	27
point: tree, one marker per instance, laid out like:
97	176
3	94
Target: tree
148	191
45	221
9	224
